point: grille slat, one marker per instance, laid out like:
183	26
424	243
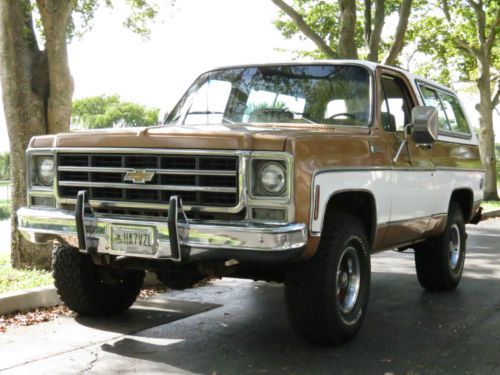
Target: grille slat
200	180
132	186
180	172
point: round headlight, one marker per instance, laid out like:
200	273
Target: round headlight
272	178
45	170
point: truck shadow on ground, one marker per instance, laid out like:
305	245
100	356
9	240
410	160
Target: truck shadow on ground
241	327
146	314
407	330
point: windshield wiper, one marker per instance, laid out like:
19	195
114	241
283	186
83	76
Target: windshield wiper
284	110
305	118
211	113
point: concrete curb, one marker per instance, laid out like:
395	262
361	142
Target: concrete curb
45	296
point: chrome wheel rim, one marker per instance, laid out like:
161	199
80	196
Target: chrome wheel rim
348	279
454	249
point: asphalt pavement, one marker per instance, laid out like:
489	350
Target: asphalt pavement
240	327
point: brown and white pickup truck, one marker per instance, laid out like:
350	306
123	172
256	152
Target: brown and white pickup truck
293	172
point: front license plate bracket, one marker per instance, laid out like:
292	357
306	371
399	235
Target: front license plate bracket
133	239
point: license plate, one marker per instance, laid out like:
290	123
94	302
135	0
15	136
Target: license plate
133	239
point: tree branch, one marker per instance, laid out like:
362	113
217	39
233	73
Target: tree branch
305	28
496	98
368	21
461	44
481	20
464	46
493	31
397	45
446	10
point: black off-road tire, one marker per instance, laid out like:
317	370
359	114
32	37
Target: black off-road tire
93	290
440	260
315	306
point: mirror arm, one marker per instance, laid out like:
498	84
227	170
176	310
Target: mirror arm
404	143
400	149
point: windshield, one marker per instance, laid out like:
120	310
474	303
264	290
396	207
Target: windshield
320	94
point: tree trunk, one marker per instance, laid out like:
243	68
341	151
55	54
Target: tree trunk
487	135
23	72
347	48
55	15
376	35
399	36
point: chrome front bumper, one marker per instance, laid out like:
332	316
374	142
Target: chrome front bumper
260	243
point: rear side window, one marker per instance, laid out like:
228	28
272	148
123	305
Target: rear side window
456	118
451	118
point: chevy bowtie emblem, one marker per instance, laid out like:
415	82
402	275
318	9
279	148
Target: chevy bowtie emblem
139	177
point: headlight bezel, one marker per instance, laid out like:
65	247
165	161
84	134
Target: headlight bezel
258	161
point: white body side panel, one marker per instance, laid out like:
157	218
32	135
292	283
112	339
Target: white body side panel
448	180
377	182
412	196
399	195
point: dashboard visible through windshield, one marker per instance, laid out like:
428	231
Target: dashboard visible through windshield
306	94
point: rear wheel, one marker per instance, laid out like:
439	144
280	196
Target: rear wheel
327	296
440	261
89	289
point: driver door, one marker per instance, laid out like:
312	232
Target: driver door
412	171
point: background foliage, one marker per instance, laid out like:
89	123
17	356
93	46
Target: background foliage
440	40
99	112
323	18
4	166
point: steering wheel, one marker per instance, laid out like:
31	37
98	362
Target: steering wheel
345	114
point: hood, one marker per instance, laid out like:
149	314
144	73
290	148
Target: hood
231	137
256	137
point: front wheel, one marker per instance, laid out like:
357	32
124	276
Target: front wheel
440	261
327	296
89	289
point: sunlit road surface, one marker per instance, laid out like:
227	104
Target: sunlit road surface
240	327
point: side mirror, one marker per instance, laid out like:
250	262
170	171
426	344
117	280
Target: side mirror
425	125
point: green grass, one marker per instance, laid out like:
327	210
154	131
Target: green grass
4	183
14	280
490	206
4	210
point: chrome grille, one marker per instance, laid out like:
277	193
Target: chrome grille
200	180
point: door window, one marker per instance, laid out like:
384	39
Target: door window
395	105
